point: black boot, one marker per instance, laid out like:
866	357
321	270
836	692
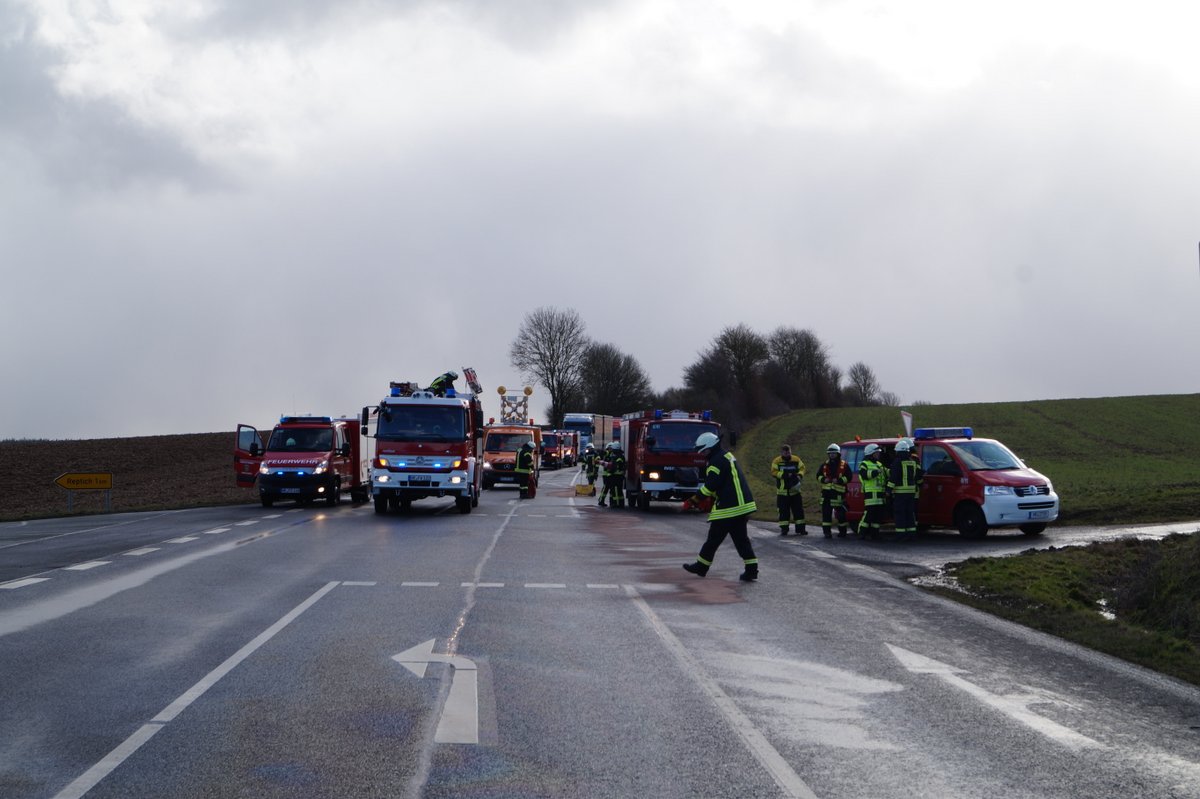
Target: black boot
750	575
802	529
783	531
697	568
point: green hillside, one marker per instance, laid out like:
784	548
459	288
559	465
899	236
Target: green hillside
1113	460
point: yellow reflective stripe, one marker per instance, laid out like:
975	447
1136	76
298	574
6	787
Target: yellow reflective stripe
712	469
702	560
725	513
706	491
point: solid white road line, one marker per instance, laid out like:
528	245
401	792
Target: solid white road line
91	564
23	583
86	781
137	553
788	780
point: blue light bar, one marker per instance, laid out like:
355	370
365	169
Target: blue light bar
943	432
658	413
706	416
395	391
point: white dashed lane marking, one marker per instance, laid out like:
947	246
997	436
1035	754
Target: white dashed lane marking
419	585
137	553
23	583
244	524
91	564
182	539
217	530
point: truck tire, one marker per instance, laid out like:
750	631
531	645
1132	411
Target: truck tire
488	485
335	497
1034	528
267	501
381	504
643	500
405	505
970	521
463	504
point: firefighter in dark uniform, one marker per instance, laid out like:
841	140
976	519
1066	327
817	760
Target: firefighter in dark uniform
903	482
788	469
732	503
873	475
442	382
590	463
615	464
524	470
833	476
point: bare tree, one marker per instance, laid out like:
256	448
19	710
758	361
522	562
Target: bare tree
803	373
549	350
863	388
889	399
613	382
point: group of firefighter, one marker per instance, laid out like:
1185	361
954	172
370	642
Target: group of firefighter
897	485
609	466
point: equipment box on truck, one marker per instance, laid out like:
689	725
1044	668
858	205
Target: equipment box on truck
426	446
500	446
660	454
970	483
306	458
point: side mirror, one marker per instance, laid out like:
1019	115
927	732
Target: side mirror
255	448
344	451
649	441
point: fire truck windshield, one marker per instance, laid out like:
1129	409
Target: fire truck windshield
549	439
505	442
678	436
981	455
421	423
301	439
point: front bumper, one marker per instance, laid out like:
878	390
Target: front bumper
1004	510
386	483
294	485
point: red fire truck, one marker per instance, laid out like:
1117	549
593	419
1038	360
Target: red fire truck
426	446
306	458
970	483
660	453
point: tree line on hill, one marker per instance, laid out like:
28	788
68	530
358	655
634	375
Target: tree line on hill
742	375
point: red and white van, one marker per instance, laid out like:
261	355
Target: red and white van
970	483
306	458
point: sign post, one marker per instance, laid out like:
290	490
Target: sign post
86	481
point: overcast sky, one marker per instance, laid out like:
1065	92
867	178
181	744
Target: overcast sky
217	211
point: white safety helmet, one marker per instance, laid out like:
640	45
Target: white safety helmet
903	446
614	445
706	441
833	449
870	450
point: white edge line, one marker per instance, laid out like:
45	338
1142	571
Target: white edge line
88	779
192	694
787	779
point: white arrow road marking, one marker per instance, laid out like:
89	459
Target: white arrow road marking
1012	706
460	715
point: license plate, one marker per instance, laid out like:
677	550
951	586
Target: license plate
414	480
506	479
1039	514
289	491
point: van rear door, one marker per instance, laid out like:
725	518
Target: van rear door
247	455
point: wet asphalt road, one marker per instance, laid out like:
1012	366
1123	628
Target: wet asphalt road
542	648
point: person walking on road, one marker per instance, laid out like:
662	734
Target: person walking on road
732	503
788	470
903	482
833	476
524	471
873	475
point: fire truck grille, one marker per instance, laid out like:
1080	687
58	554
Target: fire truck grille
687	476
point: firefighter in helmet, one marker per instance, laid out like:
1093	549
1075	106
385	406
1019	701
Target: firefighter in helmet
833	476
788	470
443	382
524	470
873	475
732	505
613	470
903	481
590	463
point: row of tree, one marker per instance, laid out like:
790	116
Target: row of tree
742	375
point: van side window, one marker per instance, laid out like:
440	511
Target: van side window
936	460
852	456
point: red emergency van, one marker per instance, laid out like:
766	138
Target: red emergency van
306	458
972	484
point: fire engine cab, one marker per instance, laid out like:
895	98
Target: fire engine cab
426	446
970	483
660	454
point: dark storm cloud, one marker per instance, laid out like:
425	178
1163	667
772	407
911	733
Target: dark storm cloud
91	143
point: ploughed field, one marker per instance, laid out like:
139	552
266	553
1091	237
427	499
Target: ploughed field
149	472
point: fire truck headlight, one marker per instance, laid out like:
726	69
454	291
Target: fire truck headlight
383	478
487	465
653	476
997	491
456	479
262	469
321	468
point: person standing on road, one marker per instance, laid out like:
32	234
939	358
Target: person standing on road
833	476
732	504
873	475
903	482
524	470
606	475
788	470
616	470
590	464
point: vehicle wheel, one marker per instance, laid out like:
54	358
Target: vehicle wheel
970	521
405	505
267	501
336	496
474	499
1033	529
381	504
488	485
643	501
463	504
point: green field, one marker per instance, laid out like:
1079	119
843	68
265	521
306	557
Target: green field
1114	460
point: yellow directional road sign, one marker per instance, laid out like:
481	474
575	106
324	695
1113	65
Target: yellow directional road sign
85	481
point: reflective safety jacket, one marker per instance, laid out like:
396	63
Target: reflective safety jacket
787	473
873	476
833	476
725	483
905	476
524	463
616	465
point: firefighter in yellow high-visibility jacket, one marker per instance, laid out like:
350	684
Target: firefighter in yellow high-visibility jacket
732	503
788	470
